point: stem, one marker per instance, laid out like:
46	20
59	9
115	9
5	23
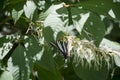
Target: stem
69	15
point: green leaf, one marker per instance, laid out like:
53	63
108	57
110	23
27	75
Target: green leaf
13	4
94	29
46	67
20	67
68	72
33	50
47	75
87	73
80	21
29	9
3	40
32	45
102	7
73	19
88	25
59	60
48	34
47	59
23	58
16	15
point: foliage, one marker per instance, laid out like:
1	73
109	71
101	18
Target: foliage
59	39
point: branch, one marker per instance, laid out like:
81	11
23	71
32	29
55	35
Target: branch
8	55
